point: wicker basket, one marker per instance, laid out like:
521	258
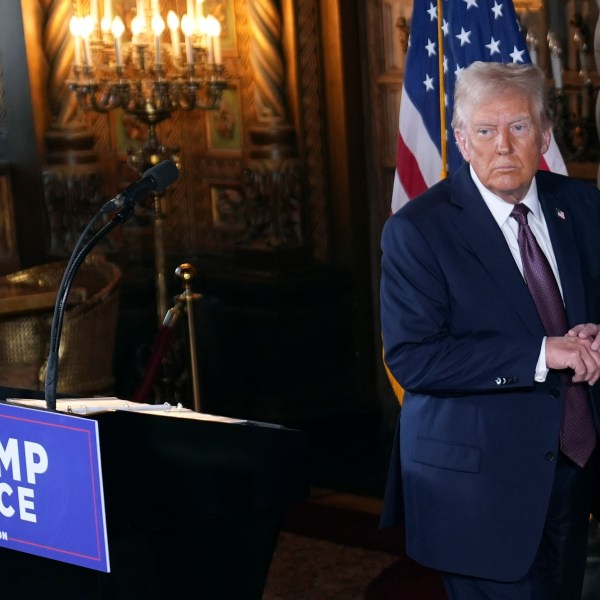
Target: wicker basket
87	343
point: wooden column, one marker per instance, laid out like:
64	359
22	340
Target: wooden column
273	179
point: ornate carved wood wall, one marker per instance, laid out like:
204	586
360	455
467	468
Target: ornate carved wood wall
264	205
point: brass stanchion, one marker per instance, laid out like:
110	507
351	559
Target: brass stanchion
159	257
186	272
183	302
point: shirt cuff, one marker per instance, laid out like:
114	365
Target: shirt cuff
541	370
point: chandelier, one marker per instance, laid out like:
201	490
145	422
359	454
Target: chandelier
150	65
147	65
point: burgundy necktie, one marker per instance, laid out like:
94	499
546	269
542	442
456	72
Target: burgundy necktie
577	433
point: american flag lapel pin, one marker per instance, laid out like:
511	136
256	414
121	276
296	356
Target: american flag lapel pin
560	214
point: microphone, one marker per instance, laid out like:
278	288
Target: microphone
155	179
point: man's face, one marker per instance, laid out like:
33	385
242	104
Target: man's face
503	141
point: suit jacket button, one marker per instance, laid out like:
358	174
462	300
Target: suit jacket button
549	455
555	393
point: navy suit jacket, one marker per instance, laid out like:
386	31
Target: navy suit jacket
478	436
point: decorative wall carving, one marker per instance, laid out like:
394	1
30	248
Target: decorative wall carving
312	131
72	195
8	242
394	23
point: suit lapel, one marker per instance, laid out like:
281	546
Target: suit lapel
561	228
479	229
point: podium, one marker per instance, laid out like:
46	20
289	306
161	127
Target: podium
193	510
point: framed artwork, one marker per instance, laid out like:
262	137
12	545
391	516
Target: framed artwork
226	205
130	134
224	125
223	11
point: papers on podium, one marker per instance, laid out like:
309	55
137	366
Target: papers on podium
90	406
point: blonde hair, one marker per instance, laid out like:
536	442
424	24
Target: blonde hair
481	81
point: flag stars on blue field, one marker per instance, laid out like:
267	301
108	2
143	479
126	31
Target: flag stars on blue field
430	47
517	55
493	46
497	10
428	83
464	36
471	4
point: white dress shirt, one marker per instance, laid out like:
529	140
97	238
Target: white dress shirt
501	210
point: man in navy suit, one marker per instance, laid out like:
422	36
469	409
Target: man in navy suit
489	497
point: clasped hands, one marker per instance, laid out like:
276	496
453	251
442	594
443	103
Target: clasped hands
578	350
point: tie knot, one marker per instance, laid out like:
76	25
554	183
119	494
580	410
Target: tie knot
519	213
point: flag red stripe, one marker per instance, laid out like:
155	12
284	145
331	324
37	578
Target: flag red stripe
410	174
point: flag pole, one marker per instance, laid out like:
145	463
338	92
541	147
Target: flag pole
443	148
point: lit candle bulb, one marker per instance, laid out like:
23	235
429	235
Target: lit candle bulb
118	27
140	13
75	29
94	11
187	26
583	61
158	26
87	27
173	23
556	68
213	29
105	26
202	29
107	11
555	53
532	45
137	26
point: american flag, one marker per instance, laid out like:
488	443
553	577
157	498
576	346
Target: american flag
471	30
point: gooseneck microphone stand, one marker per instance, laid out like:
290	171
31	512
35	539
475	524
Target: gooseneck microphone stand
82	249
157	178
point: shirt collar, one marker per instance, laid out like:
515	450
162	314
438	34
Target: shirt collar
501	209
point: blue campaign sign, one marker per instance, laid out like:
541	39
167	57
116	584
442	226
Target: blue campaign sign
51	496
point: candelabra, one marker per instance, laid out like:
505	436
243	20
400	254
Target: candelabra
148	77
571	100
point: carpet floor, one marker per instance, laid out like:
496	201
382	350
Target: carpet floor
330	548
